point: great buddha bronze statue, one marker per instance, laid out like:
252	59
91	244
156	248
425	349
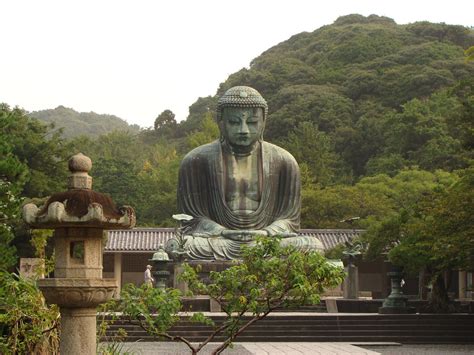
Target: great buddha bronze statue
239	187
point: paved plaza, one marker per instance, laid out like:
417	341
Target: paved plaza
169	348
424	349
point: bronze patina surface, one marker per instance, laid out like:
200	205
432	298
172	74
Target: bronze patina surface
239	187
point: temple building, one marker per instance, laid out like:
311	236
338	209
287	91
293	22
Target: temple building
127	253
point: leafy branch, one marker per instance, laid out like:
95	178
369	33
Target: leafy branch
268	277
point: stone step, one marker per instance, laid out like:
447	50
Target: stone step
352	318
385	338
295	333
315	326
342	323
381	319
447	328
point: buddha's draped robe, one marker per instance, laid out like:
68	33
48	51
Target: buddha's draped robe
201	194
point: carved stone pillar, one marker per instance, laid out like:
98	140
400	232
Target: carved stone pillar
79	217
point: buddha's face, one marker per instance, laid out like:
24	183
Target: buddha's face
242	126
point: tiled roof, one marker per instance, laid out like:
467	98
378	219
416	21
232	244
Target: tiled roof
332	237
149	239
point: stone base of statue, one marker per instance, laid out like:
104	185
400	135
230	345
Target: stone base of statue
205	266
396	310
177	283
351	282
224	249
200	303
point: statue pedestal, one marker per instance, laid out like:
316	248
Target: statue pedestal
178	284
351	282
200	303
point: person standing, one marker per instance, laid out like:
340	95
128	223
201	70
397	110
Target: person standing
148	278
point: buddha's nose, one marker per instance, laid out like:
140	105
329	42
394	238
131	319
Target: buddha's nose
244	129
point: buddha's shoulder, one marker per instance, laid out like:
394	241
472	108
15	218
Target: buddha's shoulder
205	151
277	152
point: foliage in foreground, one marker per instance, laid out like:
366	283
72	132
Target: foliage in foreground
268	277
434	233
27	324
114	344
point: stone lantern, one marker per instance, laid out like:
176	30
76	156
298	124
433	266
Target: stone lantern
160	262
79	218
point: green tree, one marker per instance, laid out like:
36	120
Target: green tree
437	235
118	162
461	124
359	142
165	123
389	164
40	148
118	178
198	111
324	106
157	182
268	277
469	53
374	199
13	175
421	133
430	229
32	165
121	145
208	131
314	149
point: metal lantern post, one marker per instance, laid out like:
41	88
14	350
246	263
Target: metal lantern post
396	302
160	262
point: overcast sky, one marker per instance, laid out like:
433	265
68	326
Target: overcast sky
135	59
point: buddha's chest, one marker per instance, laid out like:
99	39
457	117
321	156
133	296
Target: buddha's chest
242	183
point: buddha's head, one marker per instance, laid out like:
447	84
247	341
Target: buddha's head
241	114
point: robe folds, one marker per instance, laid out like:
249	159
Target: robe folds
201	194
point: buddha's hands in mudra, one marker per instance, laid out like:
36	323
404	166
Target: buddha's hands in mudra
243	235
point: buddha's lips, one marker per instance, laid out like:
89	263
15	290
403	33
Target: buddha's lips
244	139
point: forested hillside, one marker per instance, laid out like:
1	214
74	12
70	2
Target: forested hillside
378	115
76	123
383	95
